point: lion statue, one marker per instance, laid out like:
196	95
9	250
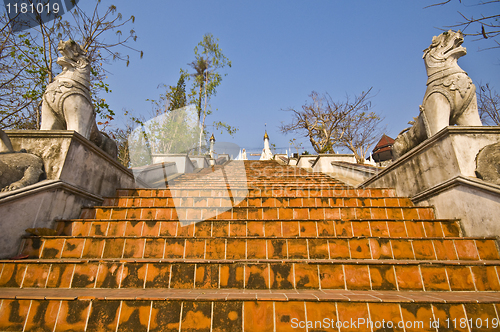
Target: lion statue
450	98
17	169
66	102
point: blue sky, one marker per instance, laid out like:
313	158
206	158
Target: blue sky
283	50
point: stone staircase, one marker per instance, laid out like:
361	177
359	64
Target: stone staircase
253	246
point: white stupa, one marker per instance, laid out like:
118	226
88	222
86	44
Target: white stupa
266	152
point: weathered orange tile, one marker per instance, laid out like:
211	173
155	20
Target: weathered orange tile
215	249
118	213
236	249
269	213
207	276
52	248
151	228
423	249
185	230
308	228
415	229
255	228
485	278
103	213
165	316
256	248
347	213
154	248
357	277
487	249
297	248
134	316
36	275
394	213
466	249
87	213
410	213
425	212
361	228
318	248
281	276
158	275
84	275
378	213
103	316
255	213
117	228
360	248
417	316
382	277
42	316
285	213
73	248
257	276
384	315
284	312
134	228
332	213
434	278
460	278
316	213
109	275
402	249
134	248
408	277
13	314
60	276
353	312
99	228
481	312
220	228
227	316
445	250
363	213
306	276
325	228
290	228
380	248
195	248
72	316
450	228
331	276
238	228
343	228
80	228
339	248
258	316
276	248
397	229
166	213
182	276
379	228
113	248
449	316
93	248
433	229
231	276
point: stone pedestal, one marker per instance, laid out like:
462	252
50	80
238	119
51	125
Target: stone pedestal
78	174
441	172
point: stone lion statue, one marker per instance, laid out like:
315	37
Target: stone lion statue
450	98
66	102
17	169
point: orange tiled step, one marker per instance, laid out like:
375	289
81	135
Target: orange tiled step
425	249
269	228
209	201
207	314
278	191
403	276
244	213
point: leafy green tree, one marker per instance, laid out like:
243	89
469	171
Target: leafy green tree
208	63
